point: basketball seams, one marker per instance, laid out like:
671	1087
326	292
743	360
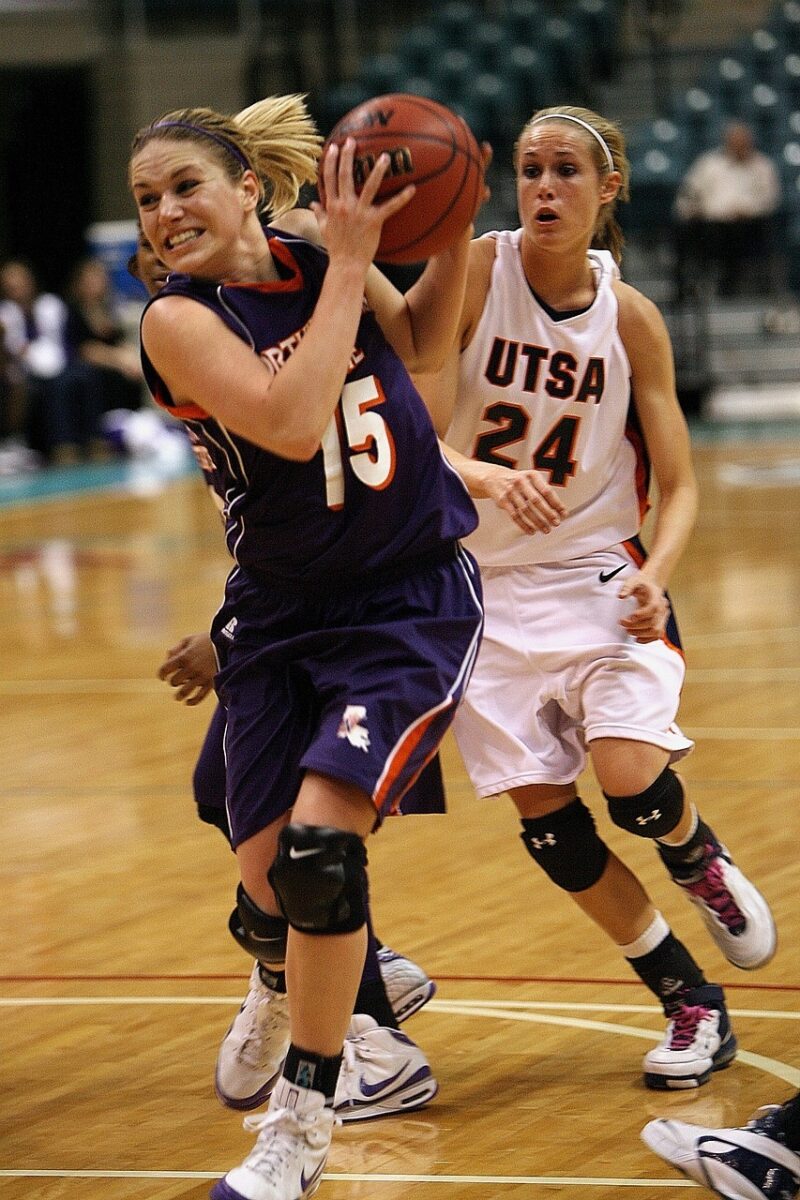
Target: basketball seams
408	246
457	162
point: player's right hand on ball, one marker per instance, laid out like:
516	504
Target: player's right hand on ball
350	222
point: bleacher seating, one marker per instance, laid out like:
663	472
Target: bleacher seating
758	81
496	70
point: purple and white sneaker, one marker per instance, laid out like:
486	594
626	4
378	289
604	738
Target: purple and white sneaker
408	987
733	911
287	1161
383	1073
737	1164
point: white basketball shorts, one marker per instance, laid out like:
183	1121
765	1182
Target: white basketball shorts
556	670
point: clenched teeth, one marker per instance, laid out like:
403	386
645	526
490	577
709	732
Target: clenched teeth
179	239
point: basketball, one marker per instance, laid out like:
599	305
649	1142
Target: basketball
428	145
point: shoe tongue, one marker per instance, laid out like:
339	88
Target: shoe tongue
361	1023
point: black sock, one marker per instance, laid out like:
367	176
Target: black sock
276	980
791	1123
313	1071
681	861
373	1001
668	970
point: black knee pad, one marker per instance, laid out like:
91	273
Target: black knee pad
654	812
257	932
566	846
319	877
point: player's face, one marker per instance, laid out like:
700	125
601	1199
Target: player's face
559	188
190	211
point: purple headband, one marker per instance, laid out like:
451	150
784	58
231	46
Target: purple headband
221	141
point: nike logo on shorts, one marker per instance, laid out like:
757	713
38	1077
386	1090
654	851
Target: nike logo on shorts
606	575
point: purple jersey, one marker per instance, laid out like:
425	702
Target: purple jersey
378	495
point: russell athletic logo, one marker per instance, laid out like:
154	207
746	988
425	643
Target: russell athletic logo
350	727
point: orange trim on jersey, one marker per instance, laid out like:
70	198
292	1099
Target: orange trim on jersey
186	412
640	558
642	472
282	252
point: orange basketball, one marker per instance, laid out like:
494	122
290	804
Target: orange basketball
428	145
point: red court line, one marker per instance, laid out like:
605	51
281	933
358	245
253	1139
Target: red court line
439	978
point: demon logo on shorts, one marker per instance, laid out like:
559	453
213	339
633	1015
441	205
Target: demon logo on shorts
350	727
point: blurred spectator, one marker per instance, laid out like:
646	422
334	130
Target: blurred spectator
61	410
96	336
725	212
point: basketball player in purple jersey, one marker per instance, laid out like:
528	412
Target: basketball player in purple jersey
557	397
392	988
352	617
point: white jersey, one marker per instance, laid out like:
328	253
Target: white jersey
554	395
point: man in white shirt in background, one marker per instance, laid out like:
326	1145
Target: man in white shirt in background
725	211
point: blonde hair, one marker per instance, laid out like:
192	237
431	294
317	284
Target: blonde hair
275	138
607	232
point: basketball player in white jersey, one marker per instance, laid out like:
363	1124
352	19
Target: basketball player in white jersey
558	398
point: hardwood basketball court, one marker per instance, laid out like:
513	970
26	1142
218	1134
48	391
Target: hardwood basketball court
119	977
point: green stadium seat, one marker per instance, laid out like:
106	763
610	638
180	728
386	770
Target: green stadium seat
784	22
655	178
730	79
530	73
764	53
422	85
523	21
497	107
455	20
569	52
787	79
382	73
700	114
765	110
488	43
420	48
339	100
599	21
453	73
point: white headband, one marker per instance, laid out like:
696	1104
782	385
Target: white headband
583	125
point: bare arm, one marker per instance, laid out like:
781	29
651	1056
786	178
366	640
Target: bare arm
666	436
204	363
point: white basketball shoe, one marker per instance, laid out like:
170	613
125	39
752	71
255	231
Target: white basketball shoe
383	1073
287	1161
252	1051
699	1040
407	985
733	910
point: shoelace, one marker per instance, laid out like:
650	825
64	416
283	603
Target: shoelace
684	1025
271	1153
712	891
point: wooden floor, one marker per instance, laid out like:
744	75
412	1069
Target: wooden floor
118	974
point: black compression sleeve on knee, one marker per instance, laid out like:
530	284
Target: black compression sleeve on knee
566	846
652	813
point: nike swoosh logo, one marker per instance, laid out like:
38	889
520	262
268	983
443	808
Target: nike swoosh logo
606	575
304	853
372	1089
305	1184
